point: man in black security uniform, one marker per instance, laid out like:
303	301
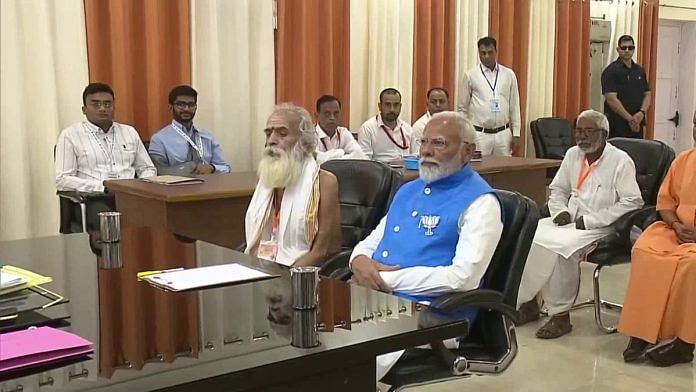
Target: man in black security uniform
626	92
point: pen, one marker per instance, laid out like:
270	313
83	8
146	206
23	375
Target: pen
143	274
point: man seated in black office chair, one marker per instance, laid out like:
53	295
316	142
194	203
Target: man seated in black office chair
99	149
595	186
441	230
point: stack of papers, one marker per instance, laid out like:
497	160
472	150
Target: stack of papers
39	346
195	278
26	279
8	279
173	180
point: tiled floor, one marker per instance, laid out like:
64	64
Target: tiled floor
586	360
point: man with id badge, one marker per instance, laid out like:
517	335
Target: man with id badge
294	215
99	149
489	95
182	149
595	186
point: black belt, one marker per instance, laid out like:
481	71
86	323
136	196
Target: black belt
491	130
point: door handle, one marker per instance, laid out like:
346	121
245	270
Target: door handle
675	119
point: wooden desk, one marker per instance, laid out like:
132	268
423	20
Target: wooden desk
212	211
524	175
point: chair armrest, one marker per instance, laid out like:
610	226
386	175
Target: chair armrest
337	266
479	298
83	197
642	218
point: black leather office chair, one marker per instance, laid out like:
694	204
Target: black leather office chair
552	136
652	159
365	189
491	345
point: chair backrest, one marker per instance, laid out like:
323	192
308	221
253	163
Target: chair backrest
652	159
504	273
553	136
365	189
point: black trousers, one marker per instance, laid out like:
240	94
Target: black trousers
620	128
94	207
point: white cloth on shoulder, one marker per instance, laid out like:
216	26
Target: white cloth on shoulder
298	215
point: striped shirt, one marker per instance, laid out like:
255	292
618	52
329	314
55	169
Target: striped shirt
86	156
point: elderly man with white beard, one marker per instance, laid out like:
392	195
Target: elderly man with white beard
595	185
293	217
441	230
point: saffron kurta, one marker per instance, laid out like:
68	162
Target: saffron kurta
661	298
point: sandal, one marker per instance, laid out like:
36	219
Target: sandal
555	328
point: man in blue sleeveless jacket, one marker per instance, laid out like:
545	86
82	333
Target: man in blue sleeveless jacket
440	231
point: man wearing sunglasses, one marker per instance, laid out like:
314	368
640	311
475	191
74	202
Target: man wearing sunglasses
626	92
182	149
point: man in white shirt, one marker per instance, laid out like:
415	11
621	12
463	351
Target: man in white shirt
441	229
385	137
99	149
489	95
335	141
595	186
437	101
294	215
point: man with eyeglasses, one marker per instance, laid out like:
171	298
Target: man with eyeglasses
99	149
595	186
626	92
182	149
441	230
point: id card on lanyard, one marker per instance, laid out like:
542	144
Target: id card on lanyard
404	142
108	152
196	146
495	101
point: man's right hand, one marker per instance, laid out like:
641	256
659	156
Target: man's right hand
634	123
562	219
685	235
366	273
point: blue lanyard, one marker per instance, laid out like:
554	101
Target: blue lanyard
493	86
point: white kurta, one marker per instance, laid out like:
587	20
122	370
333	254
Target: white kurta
608	192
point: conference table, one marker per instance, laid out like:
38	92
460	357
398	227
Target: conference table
233	338
214	210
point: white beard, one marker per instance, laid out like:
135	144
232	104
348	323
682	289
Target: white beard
431	174
280	169
593	148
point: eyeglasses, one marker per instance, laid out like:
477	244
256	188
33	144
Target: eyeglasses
587	131
184	105
627	47
100	104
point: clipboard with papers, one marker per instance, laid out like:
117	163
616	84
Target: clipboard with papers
180	280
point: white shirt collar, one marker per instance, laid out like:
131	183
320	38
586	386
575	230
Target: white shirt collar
96	129
380	122
322	134
488	70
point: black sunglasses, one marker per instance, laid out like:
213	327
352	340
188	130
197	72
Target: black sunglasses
627	47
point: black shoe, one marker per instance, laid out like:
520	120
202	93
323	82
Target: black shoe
635	349
672	353
529	311
556	327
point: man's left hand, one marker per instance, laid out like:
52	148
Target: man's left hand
514	144
204	168
580	223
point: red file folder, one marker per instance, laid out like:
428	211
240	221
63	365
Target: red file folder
38	346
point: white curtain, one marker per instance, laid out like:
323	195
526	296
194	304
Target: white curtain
542	39
233	70
43	70
381	55
623	15
472	24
